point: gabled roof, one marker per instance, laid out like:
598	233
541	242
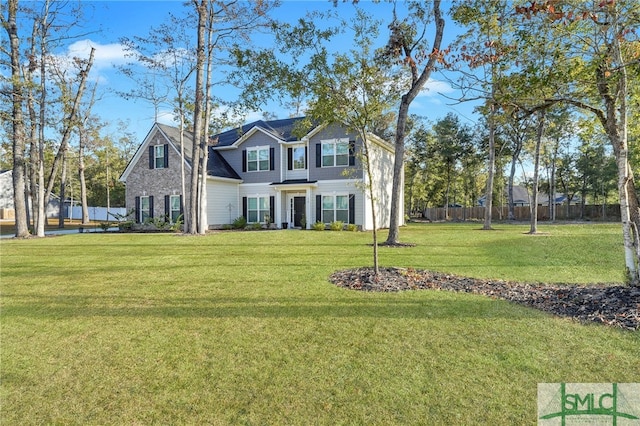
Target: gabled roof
216	165
173	134
282	130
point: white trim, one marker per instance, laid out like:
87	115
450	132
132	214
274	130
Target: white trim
294	186
247	135
224	179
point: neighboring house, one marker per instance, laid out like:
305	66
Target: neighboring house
7	210
264	172
522	197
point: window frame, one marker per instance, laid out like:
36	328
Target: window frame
334	155
260	210
258	161
145	214
334	208
158	160
172	210
295	162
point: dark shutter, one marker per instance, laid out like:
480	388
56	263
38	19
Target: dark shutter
181	206
272	158
318	208
244	207
152	163
166	156
137	209
244	160
318	155
151	215
352	153
272	208
352	208
289	158
167	206
306	157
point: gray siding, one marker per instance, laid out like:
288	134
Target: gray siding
332	173
234	158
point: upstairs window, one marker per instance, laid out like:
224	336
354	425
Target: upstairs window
159	156
258	159
335	153
299	158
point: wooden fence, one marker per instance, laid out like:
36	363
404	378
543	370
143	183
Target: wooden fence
606	213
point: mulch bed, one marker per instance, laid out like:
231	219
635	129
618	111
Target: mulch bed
612	305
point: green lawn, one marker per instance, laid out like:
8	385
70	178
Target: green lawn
244	328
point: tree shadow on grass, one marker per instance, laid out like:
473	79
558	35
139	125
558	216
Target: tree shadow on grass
437	305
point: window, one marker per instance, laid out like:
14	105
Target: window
145	209
159	156
335	207
174	208
257	209
258	159
299	158
335	153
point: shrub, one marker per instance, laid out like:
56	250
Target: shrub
254	226
352	227
318	226
239	223
126	226
336	225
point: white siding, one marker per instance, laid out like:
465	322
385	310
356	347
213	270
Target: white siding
222	202
382	171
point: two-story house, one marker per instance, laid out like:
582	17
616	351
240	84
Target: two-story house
265	171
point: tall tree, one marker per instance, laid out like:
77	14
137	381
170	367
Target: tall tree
407	45
485	54
594	44
18	130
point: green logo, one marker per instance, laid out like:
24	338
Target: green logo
589	403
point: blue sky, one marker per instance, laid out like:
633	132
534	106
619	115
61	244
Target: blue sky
108	21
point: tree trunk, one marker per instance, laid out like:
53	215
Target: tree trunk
491	165
536	173
81	177
69	124
512	175
201	9
22	227
63	186
398	165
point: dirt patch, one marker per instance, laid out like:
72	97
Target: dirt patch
613	305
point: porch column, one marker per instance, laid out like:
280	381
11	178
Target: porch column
277	220
307	204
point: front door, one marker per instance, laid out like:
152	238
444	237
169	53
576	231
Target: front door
298	210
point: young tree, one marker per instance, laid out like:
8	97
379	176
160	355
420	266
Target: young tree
353	88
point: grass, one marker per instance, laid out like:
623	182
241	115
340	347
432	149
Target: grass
243	328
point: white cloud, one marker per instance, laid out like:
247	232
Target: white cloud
106	55
434	88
